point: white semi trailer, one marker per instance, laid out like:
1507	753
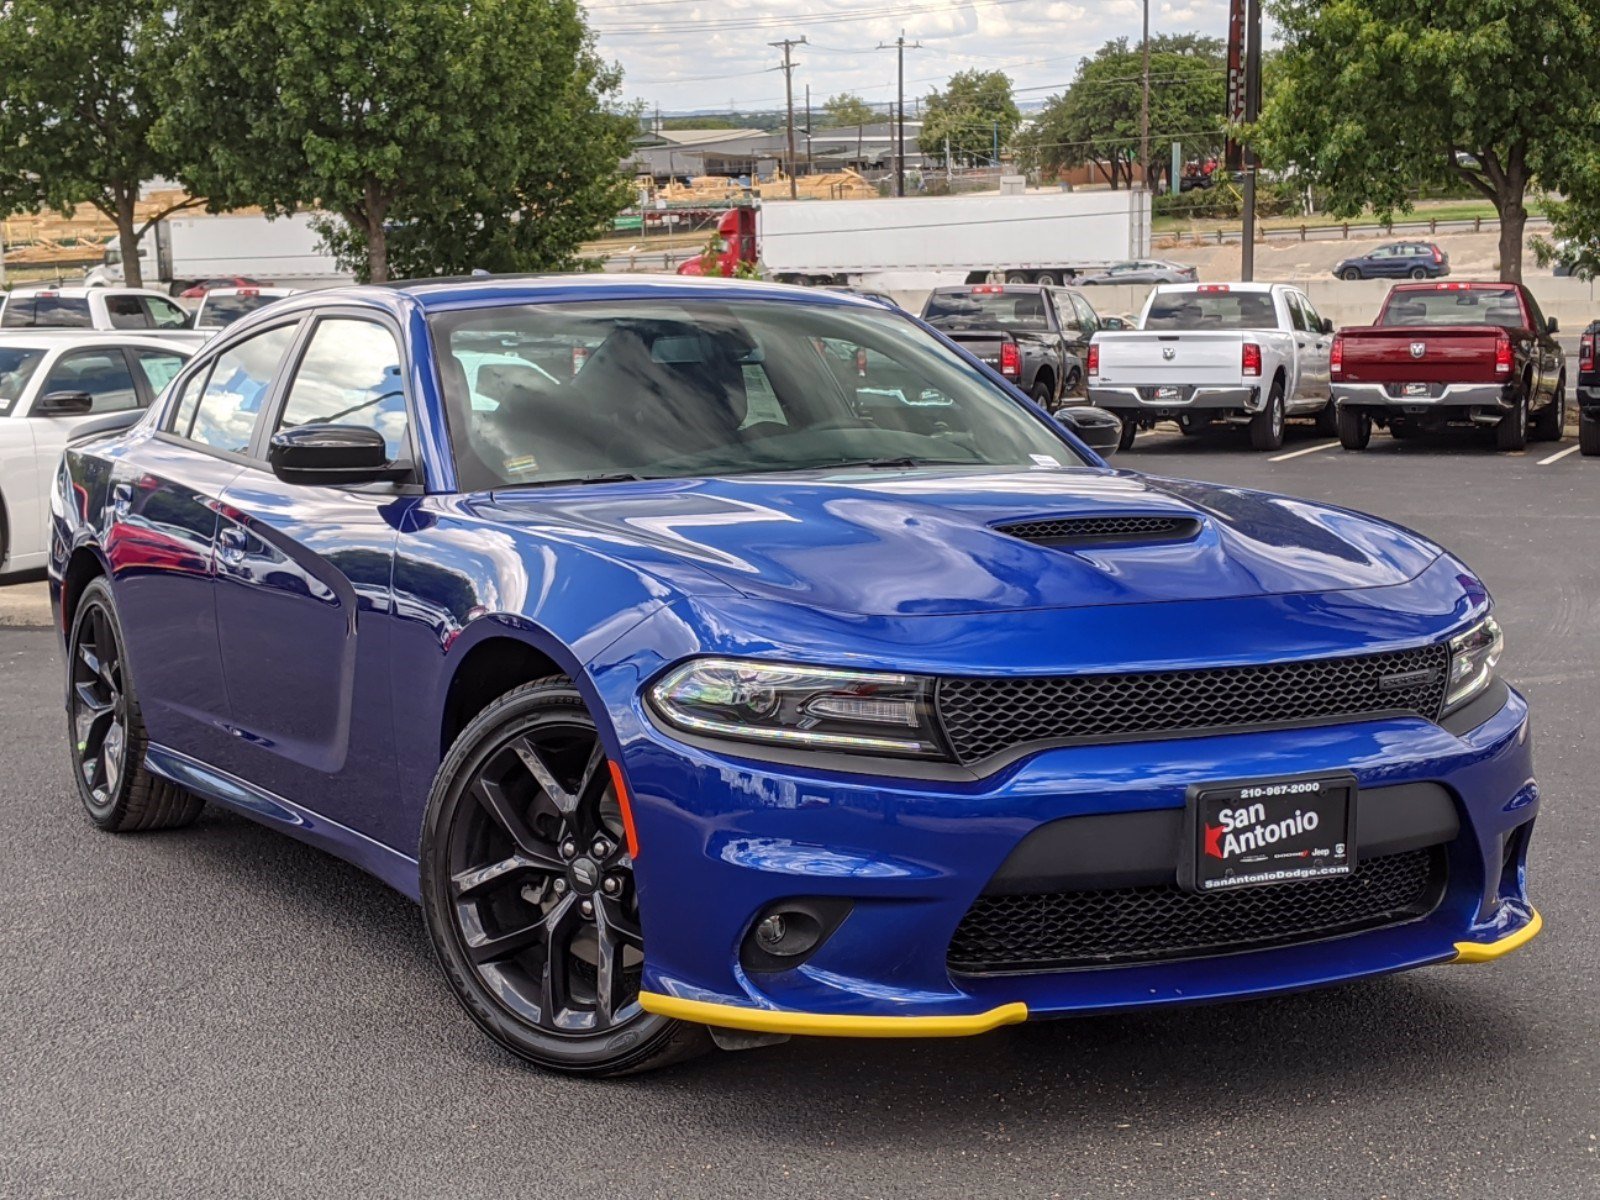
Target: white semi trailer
185	250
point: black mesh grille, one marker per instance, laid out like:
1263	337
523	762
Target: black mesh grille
1067	530
1118	925
986	716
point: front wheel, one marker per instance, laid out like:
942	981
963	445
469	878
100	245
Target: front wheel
1355	428
107	734
528	891
1266	427
1350	273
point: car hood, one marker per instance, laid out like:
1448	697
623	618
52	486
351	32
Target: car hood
908	543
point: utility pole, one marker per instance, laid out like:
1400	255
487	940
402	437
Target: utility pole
1252	112
789	44
1144	106
900	47
809	167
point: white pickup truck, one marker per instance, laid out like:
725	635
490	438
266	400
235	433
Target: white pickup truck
1243	353
103	309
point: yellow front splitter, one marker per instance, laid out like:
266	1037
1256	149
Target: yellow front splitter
772	1020
1481	952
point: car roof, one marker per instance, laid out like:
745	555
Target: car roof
75	290
48	338
1222	285
512	289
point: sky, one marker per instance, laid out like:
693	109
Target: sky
693	54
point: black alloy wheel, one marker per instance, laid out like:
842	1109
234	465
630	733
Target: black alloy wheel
106	732
529	895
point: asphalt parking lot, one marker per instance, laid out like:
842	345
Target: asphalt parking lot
222	1011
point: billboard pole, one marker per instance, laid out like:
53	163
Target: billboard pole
1252	111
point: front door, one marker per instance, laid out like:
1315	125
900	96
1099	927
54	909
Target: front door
304	594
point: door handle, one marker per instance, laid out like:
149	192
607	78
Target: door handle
121	499
232	543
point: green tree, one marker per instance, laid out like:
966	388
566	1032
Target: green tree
848	109
1375	98
403	118
973	114
1098	119
79	102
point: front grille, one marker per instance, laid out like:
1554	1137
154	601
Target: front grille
1074	530
1061	930
983	717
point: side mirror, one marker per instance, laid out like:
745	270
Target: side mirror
64	404
1094	427
1327	325
332	455
1551	325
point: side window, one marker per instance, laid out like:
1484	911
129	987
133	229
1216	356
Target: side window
1382	252
1313	317
164	314
1535	314
159	366
103	374
1087	317
1064	310
237	391
188	401
350	375
126	313
1297	315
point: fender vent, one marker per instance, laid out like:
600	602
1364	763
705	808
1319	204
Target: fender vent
1080	531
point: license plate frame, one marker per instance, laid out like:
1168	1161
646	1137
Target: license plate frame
1265	839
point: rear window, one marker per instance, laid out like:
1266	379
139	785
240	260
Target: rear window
987	310
217	311
16	368
33	310
1456	306
1211	310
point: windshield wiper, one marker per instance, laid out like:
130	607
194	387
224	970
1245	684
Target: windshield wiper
578	480
906	461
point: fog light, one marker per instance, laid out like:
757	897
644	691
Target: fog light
786	934
771	931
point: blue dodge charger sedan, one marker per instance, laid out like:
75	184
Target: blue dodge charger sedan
704	686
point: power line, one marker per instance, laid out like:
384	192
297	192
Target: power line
775	21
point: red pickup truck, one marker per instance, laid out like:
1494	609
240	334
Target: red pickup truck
1451	354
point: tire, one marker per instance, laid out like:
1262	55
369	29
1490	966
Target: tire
1328	419
527	782
1192	424
1073	384
1511	434
1043	393
1403	431
1355	428
1047	279
106	734
1018	277
1266	427
1589	437
1550	424
1130	430
1419	272
1350	273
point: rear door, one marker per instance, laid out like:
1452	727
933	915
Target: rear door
1311	347
304	587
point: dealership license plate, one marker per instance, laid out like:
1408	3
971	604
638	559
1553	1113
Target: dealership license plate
1266	831
1168	393
1417	389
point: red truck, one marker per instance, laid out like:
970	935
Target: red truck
1451	354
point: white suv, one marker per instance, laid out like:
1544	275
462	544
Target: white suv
53	383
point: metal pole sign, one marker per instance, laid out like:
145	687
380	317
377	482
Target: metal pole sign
1233	157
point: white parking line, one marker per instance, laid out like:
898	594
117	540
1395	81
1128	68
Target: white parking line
1307	450
1557	456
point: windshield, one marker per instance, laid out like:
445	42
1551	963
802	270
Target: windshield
1211	310
16	368
217	311
548	393
26	310
1477	306
994	309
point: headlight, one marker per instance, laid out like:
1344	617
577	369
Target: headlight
1473	656
807	707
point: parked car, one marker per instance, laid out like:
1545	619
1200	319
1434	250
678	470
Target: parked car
197	290
1398	260
1589	392
682	696
224	305
1452	354
1251	354
51	384
1035	335
100	308
1143	271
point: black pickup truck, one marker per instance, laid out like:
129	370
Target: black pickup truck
1034	335
1589	391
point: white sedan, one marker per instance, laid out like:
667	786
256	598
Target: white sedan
51	383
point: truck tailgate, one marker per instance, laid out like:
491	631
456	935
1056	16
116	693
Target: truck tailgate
1151	356
1420	354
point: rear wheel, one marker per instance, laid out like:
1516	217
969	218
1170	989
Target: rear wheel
107	732
1355	428
1328	419
528	891
1551	423
1403	430
1047	278
1266	427
1588	437
1192	424
1350	273
1419	272
1043	393
1017	277
1130	429
1512	432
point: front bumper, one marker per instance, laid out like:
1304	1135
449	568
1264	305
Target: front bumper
1497	397
1120	398
723	837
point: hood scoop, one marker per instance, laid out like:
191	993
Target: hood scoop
1102	530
